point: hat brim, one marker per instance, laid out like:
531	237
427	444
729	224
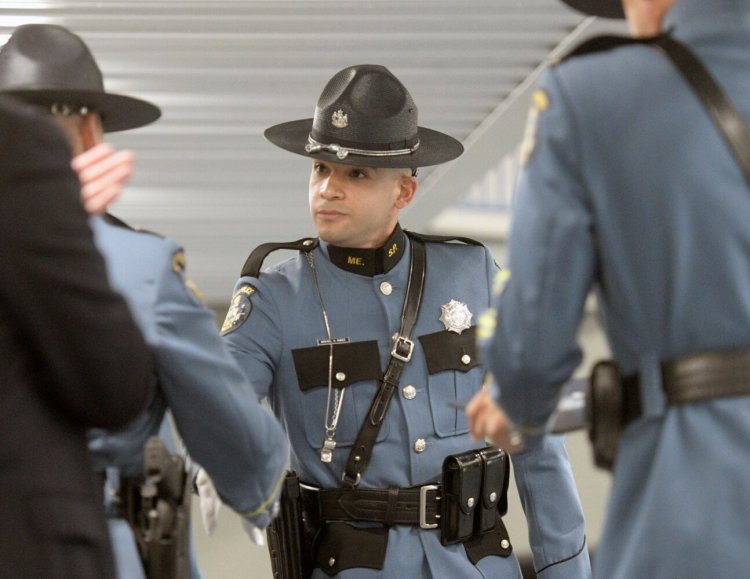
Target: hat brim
434	147
118	112
602	8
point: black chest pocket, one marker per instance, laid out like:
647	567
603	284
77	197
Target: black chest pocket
354	364
455	375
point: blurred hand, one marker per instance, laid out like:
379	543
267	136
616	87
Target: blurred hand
102	172
488	421
210	503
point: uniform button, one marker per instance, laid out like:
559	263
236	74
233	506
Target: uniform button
410	392
331	561
493	496
340	376
504	543
386	288
466	359
420	445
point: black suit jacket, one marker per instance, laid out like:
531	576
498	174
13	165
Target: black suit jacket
70	358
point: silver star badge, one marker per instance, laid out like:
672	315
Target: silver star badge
455	316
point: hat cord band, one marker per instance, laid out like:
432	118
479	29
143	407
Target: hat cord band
314	146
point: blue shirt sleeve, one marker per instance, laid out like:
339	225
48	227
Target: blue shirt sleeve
540	297
225	428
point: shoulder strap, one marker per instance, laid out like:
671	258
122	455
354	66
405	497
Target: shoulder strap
401	353
441	238
255	261
725	116
116	221
730	123
600	44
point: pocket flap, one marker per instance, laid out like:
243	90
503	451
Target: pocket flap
352	362
450	351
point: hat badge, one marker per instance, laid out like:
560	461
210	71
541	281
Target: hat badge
455	316
339	119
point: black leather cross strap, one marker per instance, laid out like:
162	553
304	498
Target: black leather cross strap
401	353
728	121
394	506
693	378
731	125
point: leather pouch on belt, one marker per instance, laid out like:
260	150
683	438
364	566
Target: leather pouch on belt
462	480
494	496
605	408
289	543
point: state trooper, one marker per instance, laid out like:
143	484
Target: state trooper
216	411
633	188
320	334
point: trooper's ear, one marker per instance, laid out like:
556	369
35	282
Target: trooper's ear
407	189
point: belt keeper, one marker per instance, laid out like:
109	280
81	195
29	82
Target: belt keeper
391	507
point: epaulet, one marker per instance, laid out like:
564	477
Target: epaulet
255	261
117	222
441	238
600	44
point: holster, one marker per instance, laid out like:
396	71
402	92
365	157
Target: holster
475	485
605	412
291	535
159	513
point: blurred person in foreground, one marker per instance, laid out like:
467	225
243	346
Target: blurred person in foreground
223	426
629	189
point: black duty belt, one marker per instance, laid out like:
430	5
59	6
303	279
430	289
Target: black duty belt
393	506
693	378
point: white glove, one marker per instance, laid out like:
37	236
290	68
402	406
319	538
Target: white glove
255	534
210	502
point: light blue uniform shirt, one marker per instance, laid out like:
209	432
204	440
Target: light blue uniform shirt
224	428
285	315
631	190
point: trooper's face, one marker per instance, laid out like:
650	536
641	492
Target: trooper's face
354	206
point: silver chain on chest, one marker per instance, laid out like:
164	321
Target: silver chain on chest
331	418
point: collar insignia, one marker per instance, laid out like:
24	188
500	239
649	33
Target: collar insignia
339	119
455	316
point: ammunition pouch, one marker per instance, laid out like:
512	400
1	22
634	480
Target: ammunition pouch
158	510
474	492
317	528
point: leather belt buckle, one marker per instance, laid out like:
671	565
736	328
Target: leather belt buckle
423	507
402	348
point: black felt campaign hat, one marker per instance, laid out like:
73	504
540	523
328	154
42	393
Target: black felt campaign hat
366	116
48	65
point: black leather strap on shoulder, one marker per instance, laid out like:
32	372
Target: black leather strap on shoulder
255	261
403	347
116	221
600	44
723	113
730	123
441	238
